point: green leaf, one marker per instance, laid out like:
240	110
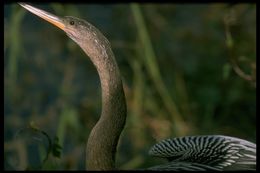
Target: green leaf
56	148
226	70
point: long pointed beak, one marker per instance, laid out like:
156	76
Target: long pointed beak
55	20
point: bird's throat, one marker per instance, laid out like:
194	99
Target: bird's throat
103	139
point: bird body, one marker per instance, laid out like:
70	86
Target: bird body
187	153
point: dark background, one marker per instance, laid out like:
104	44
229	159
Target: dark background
187	69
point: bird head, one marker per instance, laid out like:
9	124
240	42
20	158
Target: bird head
88	37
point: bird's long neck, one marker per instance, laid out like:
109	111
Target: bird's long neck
103	139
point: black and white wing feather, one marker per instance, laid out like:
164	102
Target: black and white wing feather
211	152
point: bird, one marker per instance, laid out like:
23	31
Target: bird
188	153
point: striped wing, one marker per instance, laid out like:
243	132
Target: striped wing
206	152
183	166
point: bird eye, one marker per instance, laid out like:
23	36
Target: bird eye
72	22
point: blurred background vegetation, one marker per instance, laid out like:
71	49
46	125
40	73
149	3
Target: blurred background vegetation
187	70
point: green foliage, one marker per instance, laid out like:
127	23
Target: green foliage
56	148
33	133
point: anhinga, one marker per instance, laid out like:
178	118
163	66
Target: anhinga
212	152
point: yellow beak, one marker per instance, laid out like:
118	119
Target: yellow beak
55	20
